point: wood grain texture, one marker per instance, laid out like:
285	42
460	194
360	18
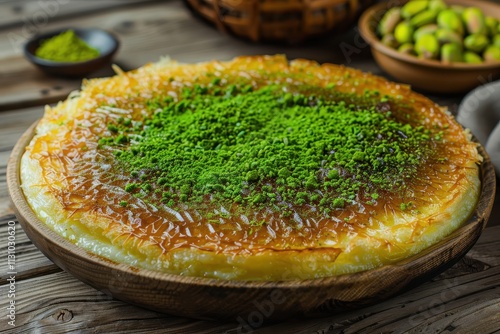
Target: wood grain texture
30	262
155	30
463	299
166	28
12	125
37	13
23	84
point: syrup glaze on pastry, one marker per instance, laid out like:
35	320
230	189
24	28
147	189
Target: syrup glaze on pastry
256	168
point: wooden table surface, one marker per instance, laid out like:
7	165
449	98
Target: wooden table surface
464	299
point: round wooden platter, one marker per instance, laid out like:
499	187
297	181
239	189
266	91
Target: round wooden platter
204	298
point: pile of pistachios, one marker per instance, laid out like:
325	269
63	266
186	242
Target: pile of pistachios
431	29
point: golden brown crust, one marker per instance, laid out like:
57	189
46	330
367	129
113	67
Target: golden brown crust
78	199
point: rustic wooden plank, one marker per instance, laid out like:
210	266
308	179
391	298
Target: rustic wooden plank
20	119
487	250
26	86
168	28
159	29
29	261
445	307
69	305
449	302
495	213
3	180
13	124
34	15
468	321
153	31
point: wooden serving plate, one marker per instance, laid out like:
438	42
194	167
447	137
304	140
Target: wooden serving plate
204	298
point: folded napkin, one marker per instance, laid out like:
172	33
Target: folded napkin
480	112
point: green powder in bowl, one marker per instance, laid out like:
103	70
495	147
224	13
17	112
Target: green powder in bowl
66	47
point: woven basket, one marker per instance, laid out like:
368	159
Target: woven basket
279	20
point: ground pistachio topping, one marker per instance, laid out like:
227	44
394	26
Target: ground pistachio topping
268	147
66	47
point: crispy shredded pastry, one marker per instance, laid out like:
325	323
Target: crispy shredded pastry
77	185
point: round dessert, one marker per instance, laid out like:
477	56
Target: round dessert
252	169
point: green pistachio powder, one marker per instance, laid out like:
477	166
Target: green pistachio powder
267	148
66	47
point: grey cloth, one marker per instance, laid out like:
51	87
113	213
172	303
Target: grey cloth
480	112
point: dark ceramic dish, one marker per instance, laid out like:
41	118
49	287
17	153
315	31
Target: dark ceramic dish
103	41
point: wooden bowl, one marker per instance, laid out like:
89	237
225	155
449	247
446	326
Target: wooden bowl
103	41
428	75
279	20
253	301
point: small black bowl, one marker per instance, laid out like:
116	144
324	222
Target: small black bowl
103	41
